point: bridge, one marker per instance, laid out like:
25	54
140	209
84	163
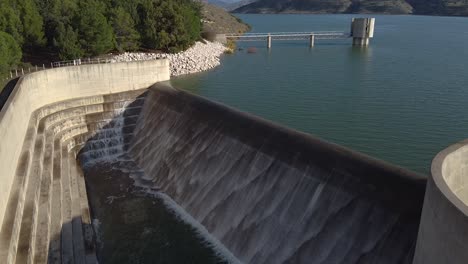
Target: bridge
282	36
361	30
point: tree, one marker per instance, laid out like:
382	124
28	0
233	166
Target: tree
95	33
10	52
188	26
148	25
32	23
60	33
74	28
66	43
126	36
171	25
10	21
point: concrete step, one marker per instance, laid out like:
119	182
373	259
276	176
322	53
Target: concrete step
49	220
48	217
78	110
67	229
90	247
56	209
10	226
77	225
28	216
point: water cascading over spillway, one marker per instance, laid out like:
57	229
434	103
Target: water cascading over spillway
268	194
54	224
112	133
256	191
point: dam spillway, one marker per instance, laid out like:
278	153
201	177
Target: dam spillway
270	194
262	192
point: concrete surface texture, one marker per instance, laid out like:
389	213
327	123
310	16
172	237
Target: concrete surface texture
42	190
362	29
271	194
444	221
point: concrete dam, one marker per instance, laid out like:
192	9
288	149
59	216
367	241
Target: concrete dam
88	152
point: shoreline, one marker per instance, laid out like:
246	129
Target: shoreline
198	58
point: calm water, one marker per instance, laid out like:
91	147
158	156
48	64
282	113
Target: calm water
402	100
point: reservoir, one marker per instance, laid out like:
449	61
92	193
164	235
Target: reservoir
401	100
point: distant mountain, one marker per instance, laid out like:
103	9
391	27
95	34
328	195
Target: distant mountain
230	4
440	7
220	3
237	4
423	7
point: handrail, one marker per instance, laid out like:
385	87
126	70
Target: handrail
287	33
290	35
18	72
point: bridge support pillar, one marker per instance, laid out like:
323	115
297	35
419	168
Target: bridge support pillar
269	41
312	40
362	29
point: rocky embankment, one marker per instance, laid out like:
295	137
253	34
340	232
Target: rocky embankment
198	58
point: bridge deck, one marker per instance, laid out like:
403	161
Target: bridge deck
288	36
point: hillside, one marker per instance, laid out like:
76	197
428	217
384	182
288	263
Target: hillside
216	19
421	7
220	3
440	7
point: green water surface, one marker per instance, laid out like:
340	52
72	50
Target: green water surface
403	99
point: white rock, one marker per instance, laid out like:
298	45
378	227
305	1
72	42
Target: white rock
200	57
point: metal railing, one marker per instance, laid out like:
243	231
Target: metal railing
18	72
286	33
79	62
289	36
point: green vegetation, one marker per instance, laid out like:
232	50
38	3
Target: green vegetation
231	46
77	28
10	52
169	25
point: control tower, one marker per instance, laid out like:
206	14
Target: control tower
362	29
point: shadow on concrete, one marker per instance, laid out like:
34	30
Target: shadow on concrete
7	90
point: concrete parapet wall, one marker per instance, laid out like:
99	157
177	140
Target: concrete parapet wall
39	89
443	232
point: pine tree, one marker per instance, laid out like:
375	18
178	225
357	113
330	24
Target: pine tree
66	43
58	17
32	23
74	28
95	33
171	25
148	26
126	36
10	52
10	21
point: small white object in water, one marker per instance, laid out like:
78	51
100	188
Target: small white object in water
110	199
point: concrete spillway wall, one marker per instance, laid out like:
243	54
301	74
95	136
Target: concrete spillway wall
47	114
271	194
444	222
46	87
